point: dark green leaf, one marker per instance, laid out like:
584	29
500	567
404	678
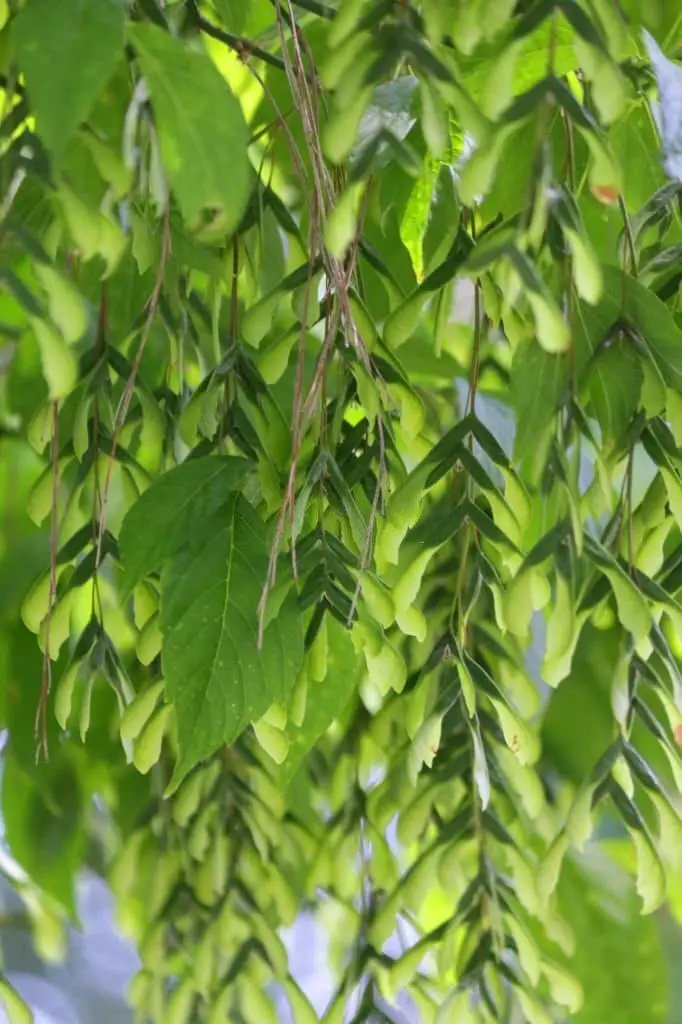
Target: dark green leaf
615	386
439	525
216	676
581	707
537	381
174	512
582	24
626	300
43	818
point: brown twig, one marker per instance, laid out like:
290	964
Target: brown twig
339	275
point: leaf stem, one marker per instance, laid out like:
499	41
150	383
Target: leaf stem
629	235
244	48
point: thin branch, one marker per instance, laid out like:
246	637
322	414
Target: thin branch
234	296
260	132
244	48
295	153
339	274
475	369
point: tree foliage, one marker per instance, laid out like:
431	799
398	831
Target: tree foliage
341	464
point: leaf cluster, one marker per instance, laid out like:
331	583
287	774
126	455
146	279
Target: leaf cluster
341	460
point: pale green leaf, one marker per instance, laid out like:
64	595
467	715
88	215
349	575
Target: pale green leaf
618	955
520	737
650	873
67	50
201	127
565	989
16	1009
550	869
325	700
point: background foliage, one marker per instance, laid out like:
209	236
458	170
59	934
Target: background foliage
341	460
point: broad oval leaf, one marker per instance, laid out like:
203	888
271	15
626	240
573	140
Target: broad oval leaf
216	676
615	405
43	818
537	380
202	131
326	699
174	510
67	52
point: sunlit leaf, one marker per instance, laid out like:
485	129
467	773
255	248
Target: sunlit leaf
201	127
68	53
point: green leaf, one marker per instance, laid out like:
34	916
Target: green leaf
415	218
216	677
16	1009
341	223
60	367
565	989
614	404
618	953
43	818
67	52
551	328
661	332
627	299
326	699
550	868
173	510
632	608
520	738
634	142
578	721
537	381
201	127
233	13
650	873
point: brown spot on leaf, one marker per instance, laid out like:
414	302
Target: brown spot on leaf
607	194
